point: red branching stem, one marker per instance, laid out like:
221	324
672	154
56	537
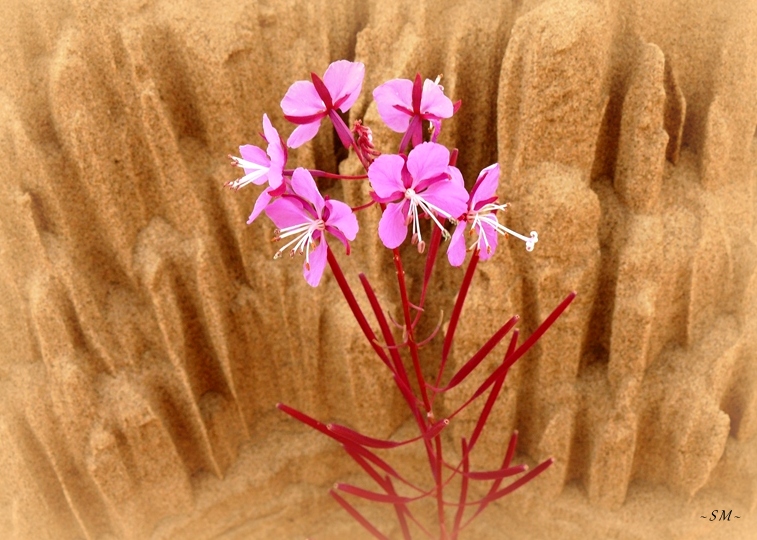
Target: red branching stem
526	478
433	250
433	333
362	206
440	488
357	516
356	311
463	491
323	174
493	395
482	353
543	327
455	317
509	454
374	496
386	484
401	510
406	312
386	332
498	474
432	459
352	448
518	353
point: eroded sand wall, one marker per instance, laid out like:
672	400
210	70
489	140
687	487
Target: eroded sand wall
146	334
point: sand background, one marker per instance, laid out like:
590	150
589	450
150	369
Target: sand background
146	334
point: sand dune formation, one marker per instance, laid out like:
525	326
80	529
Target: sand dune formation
146	333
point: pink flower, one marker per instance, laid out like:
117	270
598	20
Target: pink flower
404	104
481	214
304	214
259	167
413	186
307	103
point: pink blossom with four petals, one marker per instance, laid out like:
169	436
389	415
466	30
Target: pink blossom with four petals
403	105
304	214
307	103
259	167
482	217
414	185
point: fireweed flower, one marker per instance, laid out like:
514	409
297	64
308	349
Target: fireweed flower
482	217
416	185
259	167
404	104
303	214
307	103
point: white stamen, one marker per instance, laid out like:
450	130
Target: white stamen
486	216
413	216
303	241
258	171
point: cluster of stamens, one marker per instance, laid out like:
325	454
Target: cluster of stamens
303	241
487	215
258	171
413	216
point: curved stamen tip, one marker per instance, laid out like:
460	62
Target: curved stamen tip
532	241
445	235
277	255
421	246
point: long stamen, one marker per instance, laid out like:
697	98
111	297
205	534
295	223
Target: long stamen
429	209
258	171
302	241
491	220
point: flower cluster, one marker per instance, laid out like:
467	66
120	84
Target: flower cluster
418	183
409	185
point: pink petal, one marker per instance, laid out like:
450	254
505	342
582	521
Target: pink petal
303	134
317	264
343	218
391	93
284	212
344	80
434	102
449	196
304	186
456	249
486	185
456	176
492	237
263	199
427	160
392	228
255	155
302	100
275	151
385	175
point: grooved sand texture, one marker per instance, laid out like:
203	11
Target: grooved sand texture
146	333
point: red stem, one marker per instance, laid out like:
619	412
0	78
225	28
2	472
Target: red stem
408	327
455	317
463	492
357	516
356	311
433	249
493	395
